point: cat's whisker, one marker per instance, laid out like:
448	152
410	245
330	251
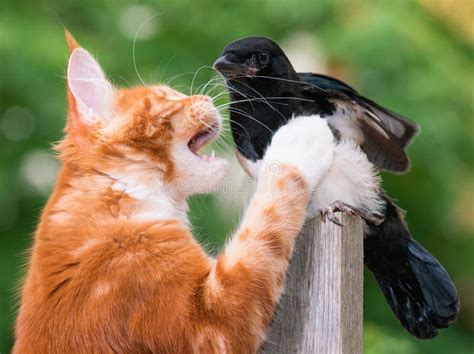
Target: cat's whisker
168	82
216	85
239	101
293	81
247	135
122	78
180	87
164	69
213	129
279	79
260	96
216	81
240	125
242	113
220	139
226	88
225	138
209	82
263	100
201	88
245	114
209	90
230	88
251	88
137	33
220	95
221	146
219	84
220	136
220	99
282	79
227	141
194	77
198	89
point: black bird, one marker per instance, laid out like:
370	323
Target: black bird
266	92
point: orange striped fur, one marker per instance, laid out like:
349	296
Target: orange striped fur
115	267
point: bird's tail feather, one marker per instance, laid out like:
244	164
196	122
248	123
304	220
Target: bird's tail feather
416	286
424	298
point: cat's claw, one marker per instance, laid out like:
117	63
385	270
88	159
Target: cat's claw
327	213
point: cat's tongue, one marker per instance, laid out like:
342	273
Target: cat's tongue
199	140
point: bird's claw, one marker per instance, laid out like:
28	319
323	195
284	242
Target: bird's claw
327	213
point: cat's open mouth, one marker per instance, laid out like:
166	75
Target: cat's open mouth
202	138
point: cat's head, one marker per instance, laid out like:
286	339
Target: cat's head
146	135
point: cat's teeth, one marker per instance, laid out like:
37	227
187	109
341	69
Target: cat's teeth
210	157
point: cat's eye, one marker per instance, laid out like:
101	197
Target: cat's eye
263	58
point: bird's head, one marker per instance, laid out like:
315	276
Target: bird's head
252	57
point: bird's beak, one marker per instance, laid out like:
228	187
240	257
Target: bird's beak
223	65
232	69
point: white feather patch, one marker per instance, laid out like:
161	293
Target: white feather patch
351	179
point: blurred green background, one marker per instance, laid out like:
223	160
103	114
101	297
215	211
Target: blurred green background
415	57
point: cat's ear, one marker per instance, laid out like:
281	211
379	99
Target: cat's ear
71	41
90	92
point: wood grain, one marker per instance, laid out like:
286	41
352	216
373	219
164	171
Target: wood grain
321	309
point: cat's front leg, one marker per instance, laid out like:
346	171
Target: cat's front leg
248	277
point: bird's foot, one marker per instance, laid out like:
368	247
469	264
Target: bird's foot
327	213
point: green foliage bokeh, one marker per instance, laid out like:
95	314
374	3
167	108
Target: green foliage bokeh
396	52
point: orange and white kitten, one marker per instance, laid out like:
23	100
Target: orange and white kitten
114	266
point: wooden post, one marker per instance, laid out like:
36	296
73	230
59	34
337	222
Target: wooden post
321	309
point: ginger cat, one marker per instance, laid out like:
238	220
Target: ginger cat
115	267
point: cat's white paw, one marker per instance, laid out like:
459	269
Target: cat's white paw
305	142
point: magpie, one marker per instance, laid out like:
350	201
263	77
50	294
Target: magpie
266	92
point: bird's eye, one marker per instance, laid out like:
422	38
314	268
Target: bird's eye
263	58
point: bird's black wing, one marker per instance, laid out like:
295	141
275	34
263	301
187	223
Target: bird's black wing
325	82
382	134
